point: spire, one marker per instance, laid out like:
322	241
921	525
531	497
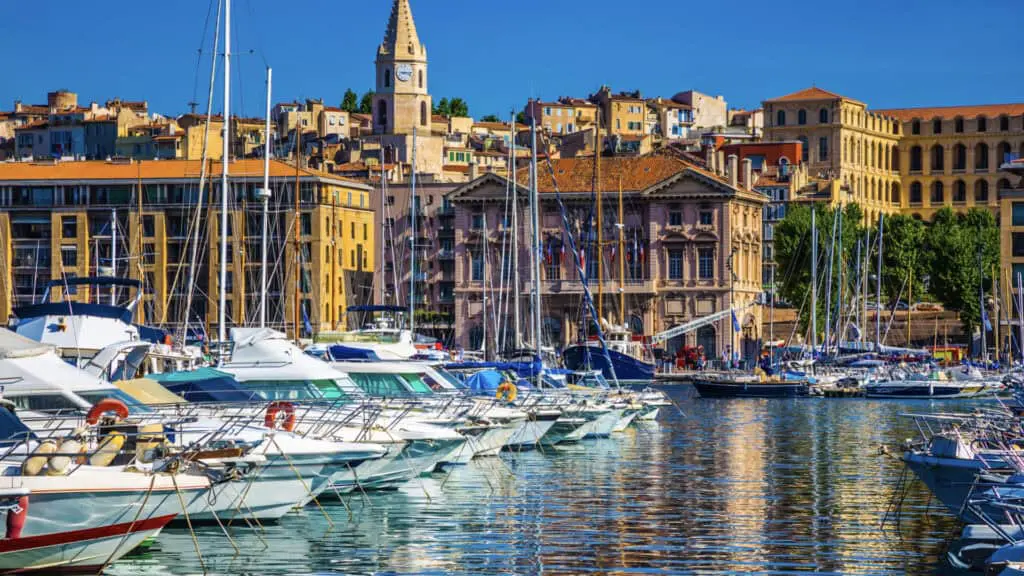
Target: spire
400	38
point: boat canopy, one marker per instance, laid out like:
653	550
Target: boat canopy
485	382
205	385
148	391
522	369
12	429
14	345
342	352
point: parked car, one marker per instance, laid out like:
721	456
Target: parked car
928	307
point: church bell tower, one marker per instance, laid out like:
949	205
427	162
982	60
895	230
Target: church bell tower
401	102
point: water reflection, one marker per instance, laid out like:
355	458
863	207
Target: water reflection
730	486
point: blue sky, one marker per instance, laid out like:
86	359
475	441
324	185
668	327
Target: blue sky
496	54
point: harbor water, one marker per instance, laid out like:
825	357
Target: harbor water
726	486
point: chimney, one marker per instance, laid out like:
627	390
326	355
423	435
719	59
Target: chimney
733	169
720	162
472	169
748	173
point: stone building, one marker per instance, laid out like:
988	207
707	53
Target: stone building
684	231
844	142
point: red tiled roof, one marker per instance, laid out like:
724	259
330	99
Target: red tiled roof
634	173
812	93
990	110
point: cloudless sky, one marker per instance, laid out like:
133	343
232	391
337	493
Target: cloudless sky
497	53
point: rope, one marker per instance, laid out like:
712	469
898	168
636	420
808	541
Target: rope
302	481
113	553
188	521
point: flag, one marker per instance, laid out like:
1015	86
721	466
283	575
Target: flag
985	321
735	322
547	252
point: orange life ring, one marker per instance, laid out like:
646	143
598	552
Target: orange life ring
270	420
104	406
507	392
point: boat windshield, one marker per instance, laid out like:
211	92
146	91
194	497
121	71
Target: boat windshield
366	336
381	384
134	406
296	389
417	384
450	378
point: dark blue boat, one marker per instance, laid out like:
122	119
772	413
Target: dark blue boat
726	388
583	357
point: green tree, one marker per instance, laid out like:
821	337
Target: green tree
902	256
366	102
490	118
521	117
442	108
963	251
350	102
458	107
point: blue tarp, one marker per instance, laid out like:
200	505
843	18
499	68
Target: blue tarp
522	369
341	352
485	382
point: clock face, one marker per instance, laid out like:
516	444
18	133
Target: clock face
403	72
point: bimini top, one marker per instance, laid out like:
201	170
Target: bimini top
205	385
14	345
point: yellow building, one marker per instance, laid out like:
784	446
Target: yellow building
564	116
623	114
844	142
56	221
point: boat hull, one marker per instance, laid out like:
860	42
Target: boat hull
736	389
584	357
926	390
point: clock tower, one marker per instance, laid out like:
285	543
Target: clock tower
401	102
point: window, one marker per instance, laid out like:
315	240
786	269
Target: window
706	217
938	158
1018	244
706	263
553	261
366	231
352	230
1018	213
350	198
423	113
69	226
823	148
387	77
805	149
391	200
421	78
352	258
915	159
937	126
780	118
823	116
307	224
982	124
1004	123
981	191
915	193
477	266
675	215
148	226
915	126
477	221
675	264
382	112
958	125
801	117
959	157
959	192
69	255
981	157
938	193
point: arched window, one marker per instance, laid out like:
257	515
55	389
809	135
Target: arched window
823	116
382	112
959	192
1003	184
981	192
959	157
937	126
805	150
895	159
982	124
423	113
1004	123
895	193
981	157
938	159
958	125
387	77
421	78
780	118
938	192
822	148
915	126
1001	153
801	117
916	162
915	192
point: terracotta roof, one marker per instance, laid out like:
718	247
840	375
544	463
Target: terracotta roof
668	104
812	93
332	109
990	110
456	168
636	173
498	125
145	169
360	167
33	125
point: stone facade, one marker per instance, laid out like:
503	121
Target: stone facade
683	230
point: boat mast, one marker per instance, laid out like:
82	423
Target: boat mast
600	224
516	285
814	285
266	215
222	304
383	196
841	288
1020	314
535	244
622	259
981	302
297	225
484	259
113	255
412	243
878	285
